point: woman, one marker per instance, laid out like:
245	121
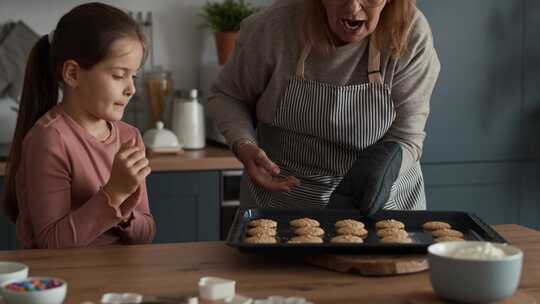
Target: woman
313	83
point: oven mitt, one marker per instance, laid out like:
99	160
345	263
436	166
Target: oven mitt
367	185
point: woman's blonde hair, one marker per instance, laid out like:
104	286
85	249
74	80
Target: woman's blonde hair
392	32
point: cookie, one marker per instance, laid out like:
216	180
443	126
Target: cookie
265	239
346	239
436	225
263	223
448	239
305	239
389	224
392	232
304	222
313	231
352	231
446	232
396	239
349	223
260	231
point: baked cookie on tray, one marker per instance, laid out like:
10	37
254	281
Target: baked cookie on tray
261	230
396	239
436	225
349	223
347	239
264	239
446	232
313	231
392	232
263	223
390	223
305	239
304	222
348	230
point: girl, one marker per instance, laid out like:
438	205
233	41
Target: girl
76	173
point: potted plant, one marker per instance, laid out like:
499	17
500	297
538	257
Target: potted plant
224	19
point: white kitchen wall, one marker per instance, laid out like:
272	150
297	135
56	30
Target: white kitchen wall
180	45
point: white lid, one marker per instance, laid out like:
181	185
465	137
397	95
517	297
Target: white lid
160	138
193	94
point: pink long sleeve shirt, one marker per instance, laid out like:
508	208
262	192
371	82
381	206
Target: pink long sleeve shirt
59	188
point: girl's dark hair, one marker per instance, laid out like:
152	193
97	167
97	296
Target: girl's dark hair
85	34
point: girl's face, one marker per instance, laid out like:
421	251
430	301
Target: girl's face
352	20
105	90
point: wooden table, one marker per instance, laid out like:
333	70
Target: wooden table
174	269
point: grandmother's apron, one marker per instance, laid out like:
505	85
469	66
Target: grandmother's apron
318	131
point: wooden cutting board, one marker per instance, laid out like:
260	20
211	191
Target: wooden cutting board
371	265
519	297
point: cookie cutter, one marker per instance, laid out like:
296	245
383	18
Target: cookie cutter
214	288
121	298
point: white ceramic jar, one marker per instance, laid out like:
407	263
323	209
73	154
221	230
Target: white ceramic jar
161	140
188	121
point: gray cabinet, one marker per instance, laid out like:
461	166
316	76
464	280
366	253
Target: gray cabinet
185	205
7	228
482	148
500	193
477	106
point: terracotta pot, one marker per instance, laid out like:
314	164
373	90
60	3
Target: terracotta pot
225	45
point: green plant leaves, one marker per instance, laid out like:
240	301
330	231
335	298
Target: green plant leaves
226	16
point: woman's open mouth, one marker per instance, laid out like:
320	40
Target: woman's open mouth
352	25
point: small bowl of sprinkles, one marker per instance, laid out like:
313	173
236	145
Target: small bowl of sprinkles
34	290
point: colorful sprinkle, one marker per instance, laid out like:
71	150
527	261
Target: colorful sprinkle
34	285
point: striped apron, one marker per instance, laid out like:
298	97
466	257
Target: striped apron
317	133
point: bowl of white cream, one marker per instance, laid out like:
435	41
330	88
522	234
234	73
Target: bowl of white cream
474	272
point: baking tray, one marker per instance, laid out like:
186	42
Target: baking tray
471	225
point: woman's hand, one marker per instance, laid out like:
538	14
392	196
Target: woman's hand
130	168
262	170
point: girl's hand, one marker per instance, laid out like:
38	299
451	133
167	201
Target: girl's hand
130	168
262	170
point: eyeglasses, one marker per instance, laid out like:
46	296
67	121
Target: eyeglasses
364	3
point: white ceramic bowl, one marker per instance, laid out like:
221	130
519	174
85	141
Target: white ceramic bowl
12	271
474	280
48	296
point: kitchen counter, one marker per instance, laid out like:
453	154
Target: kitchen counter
210	158
174	270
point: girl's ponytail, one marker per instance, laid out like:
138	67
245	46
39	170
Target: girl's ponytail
39	95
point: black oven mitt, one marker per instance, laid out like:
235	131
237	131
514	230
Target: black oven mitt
367	185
